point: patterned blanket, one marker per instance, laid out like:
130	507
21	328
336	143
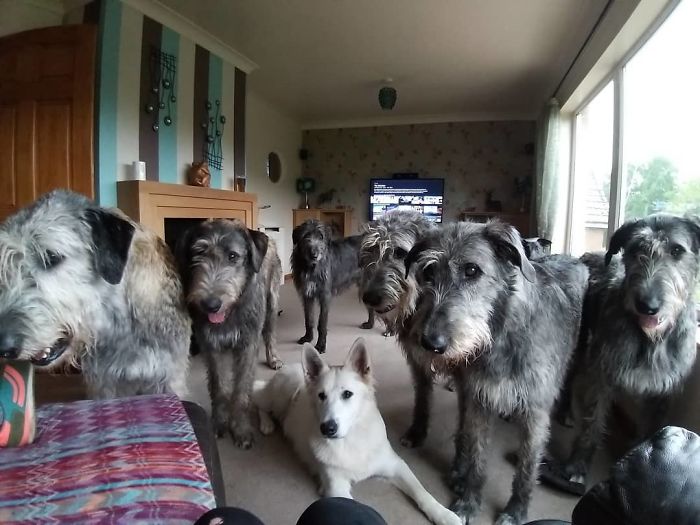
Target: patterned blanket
134	460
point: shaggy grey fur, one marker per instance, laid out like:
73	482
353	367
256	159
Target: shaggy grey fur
505	327
386	288
83	284
638	329
232	277
321	268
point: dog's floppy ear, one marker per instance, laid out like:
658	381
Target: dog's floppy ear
621	237
358	359
111	239
312	363
182	253
693	223
508	245
415	252
298	233
258	249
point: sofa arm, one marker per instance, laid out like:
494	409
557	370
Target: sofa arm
201	423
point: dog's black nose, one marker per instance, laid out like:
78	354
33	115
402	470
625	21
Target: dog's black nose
329	428
9	345
434	343
211	304
371	298
647	305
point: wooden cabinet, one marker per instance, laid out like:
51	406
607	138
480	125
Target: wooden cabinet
340	219
521	221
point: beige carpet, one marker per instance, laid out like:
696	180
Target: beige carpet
269	481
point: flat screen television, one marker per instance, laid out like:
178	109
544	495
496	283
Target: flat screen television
422	195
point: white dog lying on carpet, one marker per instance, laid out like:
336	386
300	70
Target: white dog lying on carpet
331	417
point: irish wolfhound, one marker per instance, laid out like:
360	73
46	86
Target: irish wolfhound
505	327
323	267
537	247
231	276
85	284
638	331
391	292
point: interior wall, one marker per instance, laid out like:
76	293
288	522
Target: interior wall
472	157
21	15
127	39
269	130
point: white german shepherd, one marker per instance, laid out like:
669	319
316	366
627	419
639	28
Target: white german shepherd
331	417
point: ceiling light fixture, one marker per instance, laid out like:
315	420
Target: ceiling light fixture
387	95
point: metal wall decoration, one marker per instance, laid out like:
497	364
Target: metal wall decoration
213	129
162	67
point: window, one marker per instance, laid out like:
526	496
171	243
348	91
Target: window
656	128
660	169
592	171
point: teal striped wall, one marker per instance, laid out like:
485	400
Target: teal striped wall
108	42
119	136
167	135
215	79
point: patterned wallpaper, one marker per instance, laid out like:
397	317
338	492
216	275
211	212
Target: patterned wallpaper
472	157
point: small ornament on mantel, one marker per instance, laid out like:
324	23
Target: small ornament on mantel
199	175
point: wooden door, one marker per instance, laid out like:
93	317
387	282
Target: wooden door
47	79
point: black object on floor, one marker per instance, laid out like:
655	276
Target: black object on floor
551	474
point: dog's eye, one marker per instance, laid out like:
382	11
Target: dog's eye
52	259
347	394
400	253
677	250
471	270
428	273
322	396
233	257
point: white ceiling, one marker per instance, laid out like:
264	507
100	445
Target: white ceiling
323	60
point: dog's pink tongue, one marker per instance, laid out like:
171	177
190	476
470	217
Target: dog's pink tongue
649	321
218	317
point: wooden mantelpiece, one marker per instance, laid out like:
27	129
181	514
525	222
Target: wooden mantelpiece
150	203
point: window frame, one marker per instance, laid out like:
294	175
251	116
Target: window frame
617	76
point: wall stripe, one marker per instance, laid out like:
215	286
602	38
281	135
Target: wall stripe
91	12
201	93
167	136
239	91
148	139
185	105
227	80
106	127
215	76
129	92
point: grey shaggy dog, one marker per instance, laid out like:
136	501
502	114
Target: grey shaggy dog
391	292
506	328
638	330
232	278
86	285
323	267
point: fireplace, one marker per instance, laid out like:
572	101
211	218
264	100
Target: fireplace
152	203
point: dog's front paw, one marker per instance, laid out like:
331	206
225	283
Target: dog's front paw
306	338
321	347
275	363
506	519
367	325
243	439
414	437
456	480
220	425
443	516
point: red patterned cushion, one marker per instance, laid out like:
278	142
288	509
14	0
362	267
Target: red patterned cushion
131	460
